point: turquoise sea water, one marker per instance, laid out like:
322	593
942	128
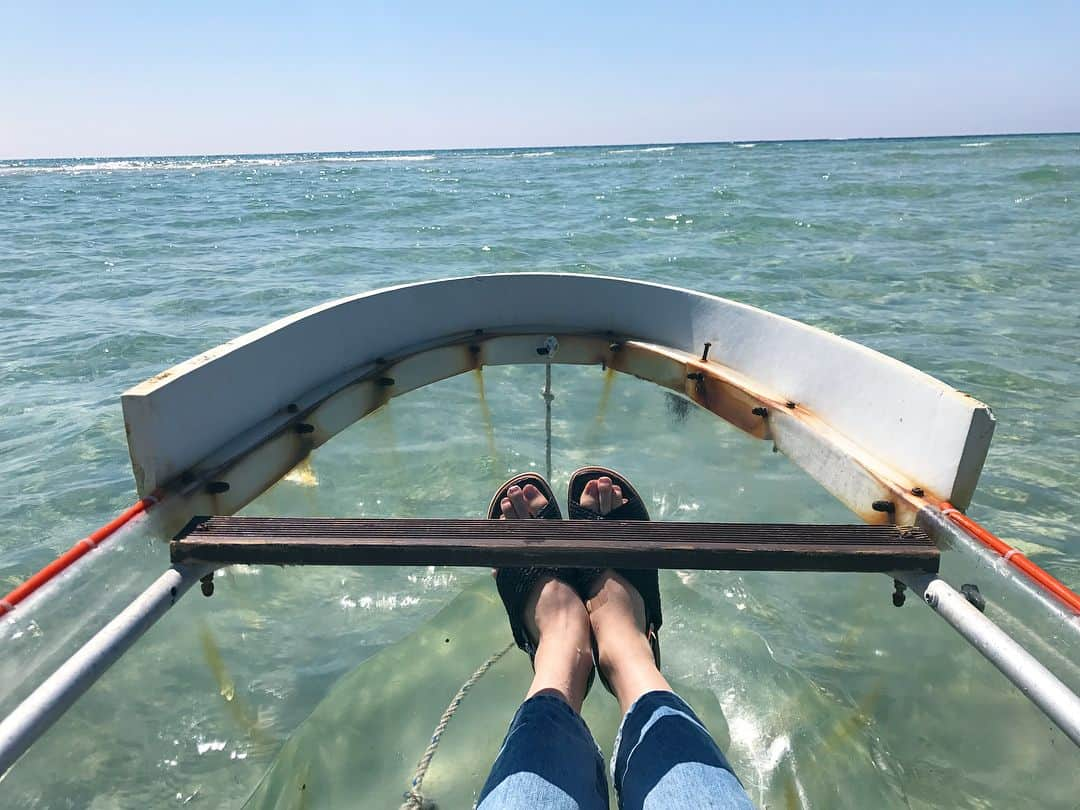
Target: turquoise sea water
960	256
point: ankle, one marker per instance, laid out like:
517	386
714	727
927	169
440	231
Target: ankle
631	670
562	666
624	652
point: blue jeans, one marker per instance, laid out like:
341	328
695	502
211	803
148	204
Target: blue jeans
664	760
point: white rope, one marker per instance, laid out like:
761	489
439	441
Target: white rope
548	396
414	800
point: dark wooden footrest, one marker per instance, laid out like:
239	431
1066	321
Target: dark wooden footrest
621	544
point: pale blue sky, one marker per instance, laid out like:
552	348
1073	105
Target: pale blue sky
127	78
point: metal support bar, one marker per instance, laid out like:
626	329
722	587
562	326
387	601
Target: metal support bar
1040	685
59	691
949	536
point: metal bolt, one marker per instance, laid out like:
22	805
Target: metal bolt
385	382
705	352
917	492
899	597
217	487
884	506
759	411
614	347
789	404
304	427
971	593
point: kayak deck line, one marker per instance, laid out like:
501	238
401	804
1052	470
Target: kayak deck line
224	540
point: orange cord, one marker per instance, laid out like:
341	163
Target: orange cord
1012	556
65	560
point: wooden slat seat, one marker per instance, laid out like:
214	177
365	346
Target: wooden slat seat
715	546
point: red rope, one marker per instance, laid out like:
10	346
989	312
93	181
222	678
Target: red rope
76	552
1012	556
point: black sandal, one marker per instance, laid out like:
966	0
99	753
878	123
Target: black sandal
646	581
516	584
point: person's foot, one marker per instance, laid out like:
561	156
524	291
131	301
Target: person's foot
554	617
601	495
617	617
522	502
557	619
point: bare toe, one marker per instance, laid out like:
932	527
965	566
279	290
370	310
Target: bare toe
590	496
535	499
603	484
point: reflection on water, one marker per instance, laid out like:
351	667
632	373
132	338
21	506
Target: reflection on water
485	413
241	714
303	474
599	420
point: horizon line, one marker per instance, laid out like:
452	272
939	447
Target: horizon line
420	150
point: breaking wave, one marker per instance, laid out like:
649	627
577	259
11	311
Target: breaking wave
642	149
373	159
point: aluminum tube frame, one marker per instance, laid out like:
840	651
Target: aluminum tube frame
46	704
1039	684
950	536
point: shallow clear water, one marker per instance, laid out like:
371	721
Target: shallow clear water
957	256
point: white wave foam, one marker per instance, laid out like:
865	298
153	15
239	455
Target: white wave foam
976	143
644	149
746	145
192	164
374	158
139	165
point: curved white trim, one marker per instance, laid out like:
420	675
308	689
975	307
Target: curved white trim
924	430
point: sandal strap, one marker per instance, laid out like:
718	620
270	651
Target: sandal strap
632	510
549	512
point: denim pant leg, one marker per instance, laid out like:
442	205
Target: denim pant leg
665	760
548	760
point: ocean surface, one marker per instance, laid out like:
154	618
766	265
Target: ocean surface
320	687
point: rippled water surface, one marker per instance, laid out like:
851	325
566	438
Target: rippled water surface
313	687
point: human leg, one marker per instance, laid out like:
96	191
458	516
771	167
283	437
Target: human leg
664	757
548	758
